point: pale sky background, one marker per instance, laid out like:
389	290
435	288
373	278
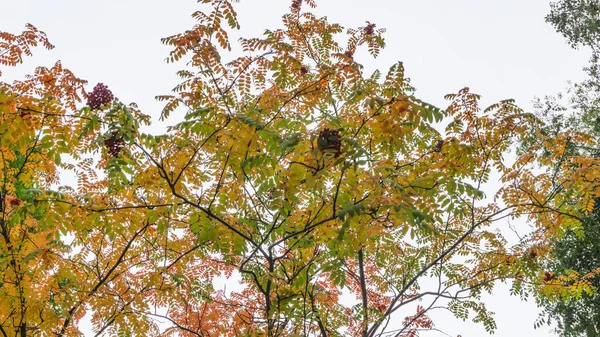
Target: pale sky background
499	48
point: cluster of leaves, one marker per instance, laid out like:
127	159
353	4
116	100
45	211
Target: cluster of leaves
13	47
290	169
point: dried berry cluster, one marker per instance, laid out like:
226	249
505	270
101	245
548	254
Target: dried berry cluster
438	146
349	54
114	144
329	140
271	193
370	29
296	4
533	253
15	202
100	96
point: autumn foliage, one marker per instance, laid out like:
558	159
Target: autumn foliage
339	202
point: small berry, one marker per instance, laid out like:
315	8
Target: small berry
15	202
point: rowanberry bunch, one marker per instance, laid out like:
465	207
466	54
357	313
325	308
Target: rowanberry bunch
100	96
114	144
370	29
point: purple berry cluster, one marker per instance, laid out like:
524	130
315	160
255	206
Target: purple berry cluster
330	141
100	96
370	29
114	144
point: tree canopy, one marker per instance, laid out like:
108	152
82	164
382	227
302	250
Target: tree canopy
343	203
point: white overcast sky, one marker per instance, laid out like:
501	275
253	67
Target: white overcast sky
499	48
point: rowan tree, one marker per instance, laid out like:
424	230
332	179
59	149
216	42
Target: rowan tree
343	203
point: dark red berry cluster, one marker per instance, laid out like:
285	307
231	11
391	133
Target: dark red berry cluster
330	141
114	144
100	96
370	29
296	4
